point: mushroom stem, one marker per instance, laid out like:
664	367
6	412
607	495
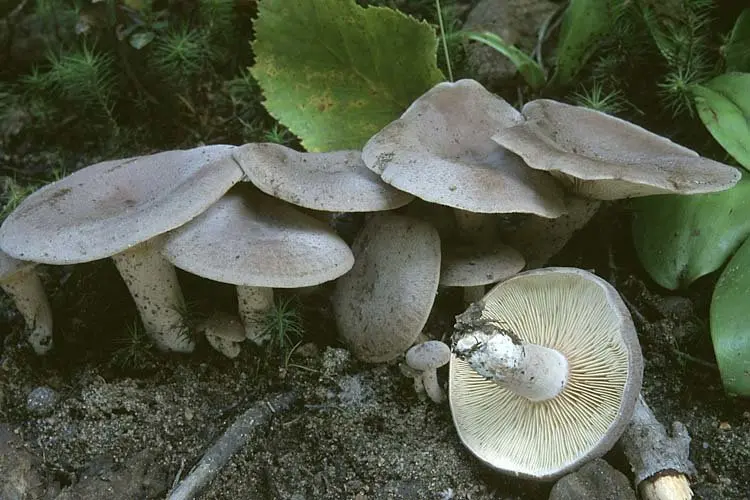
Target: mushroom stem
473	294
535	372
153	284
660	462
432	386
474	227
253	303
25	288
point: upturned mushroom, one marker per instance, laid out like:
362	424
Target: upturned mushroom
257	243
545	372
118	209
21	282
441	150
336	181
383	302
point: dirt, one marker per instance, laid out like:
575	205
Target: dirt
124	421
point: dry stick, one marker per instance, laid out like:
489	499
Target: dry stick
234	438
659	461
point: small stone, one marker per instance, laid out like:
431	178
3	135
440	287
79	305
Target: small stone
41	401
596	480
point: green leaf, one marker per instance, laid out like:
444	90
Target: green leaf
724	107
584	23
730	323
528	67
335	73
678	239
737	49
141	39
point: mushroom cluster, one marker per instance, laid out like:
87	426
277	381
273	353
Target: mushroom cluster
462	191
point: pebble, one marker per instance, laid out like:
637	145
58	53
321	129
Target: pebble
41	401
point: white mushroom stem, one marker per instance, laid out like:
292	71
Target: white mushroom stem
432	386
152	282
660	462
25	288
535	372
473	293
253	304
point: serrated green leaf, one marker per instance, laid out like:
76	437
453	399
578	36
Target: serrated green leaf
723	104
737	49
678	239
335	73
730	323
584	23
528	67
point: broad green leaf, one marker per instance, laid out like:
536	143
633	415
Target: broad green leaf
528	67
737	49
335	73
584	23
724	107
681	238
730	323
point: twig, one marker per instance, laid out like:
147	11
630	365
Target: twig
659	460
234	438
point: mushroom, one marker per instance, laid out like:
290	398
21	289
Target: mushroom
224	332
660	462
382	304
337	181
21	282
441	150
542	238
475	266
117	209
257	243
545	372
425	359
602	157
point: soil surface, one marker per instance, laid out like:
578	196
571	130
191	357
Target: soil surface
106	416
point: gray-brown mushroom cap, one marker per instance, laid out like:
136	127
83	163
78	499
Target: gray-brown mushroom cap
382	304
336	181
441	151
106	208
428	355
581	316
602	157
248	238
475	265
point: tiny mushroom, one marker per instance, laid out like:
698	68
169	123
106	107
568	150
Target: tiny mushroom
224	332
118	209
602	157
475	266
21	282
545	372
441	150
336	181
258	243
425	359
382	304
